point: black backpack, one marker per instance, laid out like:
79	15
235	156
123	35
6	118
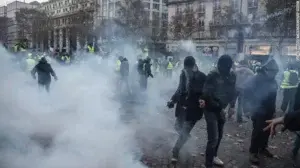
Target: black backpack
293	78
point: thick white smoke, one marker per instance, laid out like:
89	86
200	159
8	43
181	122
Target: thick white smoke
80	115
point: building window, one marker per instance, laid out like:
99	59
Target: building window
156	6
201	8
178	8
156	1
235	4
201	22
164	23
146	5
164	16
252	3
189	5
217	5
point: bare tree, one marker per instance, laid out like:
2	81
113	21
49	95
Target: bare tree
82	23
280	20
33	24
184	24
130	21
132	18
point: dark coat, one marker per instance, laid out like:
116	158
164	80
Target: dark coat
292	119
261	93
124	68
219	91
187	95
44	71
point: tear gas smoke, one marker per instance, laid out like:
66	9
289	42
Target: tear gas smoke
80	116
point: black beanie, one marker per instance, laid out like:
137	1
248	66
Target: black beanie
225	61
189	62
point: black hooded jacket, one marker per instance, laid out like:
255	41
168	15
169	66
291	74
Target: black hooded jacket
292	119
261	91
219	89
124	68
189	91
44	71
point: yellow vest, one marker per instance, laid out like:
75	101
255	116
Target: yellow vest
285	82
30	63
68	60
16	48
170	66
118	65
91	49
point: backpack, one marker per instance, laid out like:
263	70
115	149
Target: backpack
293	78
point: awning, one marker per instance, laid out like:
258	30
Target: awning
260	50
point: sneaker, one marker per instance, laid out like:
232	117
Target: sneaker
217	161
266	153
254	158
174	159
203	166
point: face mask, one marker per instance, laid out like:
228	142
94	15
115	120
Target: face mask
224	69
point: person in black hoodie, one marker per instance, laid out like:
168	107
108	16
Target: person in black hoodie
44	71
144	69
261	92
291	121
219	91
187	96
124	73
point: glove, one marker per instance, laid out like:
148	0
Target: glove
170	104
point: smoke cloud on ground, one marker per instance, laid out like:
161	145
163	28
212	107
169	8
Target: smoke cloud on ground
79	120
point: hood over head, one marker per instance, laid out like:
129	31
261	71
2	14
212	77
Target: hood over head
189	62
43	60
225	63
270	68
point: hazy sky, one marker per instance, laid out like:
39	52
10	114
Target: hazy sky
3	2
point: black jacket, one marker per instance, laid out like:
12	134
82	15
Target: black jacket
219	91
144	68
188	93
44	70
124	68
292	119
261	92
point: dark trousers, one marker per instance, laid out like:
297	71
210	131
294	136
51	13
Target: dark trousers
44	86
184	128
143	82
239	113
296	145
169	73
179	122
215	125
288	99
259	138
124	84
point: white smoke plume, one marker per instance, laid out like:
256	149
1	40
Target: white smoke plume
80	115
